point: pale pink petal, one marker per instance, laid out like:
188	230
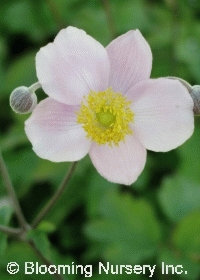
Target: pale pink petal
121	164
130	60
54	133
163	111
72	65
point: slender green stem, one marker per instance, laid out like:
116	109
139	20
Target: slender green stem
9	230
55	197
12	194
35	86
44	259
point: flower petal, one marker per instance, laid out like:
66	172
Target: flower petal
163	111
122	164
130	60
72	65
54	133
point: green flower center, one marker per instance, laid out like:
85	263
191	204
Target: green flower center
106	119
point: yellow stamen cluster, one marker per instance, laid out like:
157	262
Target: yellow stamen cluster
105	116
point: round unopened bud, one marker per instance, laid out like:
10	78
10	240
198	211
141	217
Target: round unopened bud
23	100
195	94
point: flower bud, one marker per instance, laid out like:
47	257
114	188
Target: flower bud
23	100
195	94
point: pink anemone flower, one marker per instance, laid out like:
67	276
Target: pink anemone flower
102	101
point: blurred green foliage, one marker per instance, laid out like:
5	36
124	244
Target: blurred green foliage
155	220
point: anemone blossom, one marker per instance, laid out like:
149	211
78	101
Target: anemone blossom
102	101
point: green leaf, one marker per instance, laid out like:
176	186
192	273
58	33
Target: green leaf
128	230
17	162
178	196
143	180
6	211
20	252
15	137
186	236
98	188
75	193
188	49
41	242
189	156
46	226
